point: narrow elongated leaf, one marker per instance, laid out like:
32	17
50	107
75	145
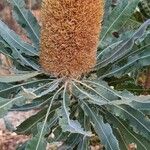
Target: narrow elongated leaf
125	133
108	4
84	120
103	90
36	103
18	47
113	97
72	126
31	94
93	97
125	47
3	47
83	145
33	142
41	144
44	124
72	141
142	105
133	116
6	104
31	84
137	120
15	41
29	125
26	19
126	99
66	123
103	130
84	142
18	77
103	54
51	88
139	60
119	15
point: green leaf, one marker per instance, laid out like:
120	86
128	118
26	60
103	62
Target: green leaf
141	104
115	101
128	83
83	145
6	92
108	7
99	99
35	143
84	142
65	122
6	104
114	97
137	120
103	130
135	62
15	41
36	103
18	47
121	49
72	126
84	120
44	124
118	16
103	54
135	117
26	19
58	135
125	134
3	48
31	145
72	141
53	86
18	77
30	124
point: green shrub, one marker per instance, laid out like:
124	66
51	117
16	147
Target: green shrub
103	102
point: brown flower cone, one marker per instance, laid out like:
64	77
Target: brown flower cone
69	36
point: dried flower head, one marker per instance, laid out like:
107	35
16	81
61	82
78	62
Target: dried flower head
69	36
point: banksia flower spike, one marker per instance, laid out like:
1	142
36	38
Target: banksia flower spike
69	36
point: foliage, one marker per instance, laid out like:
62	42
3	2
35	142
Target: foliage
98	104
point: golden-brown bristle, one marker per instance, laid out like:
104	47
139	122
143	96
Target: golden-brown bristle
69	36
